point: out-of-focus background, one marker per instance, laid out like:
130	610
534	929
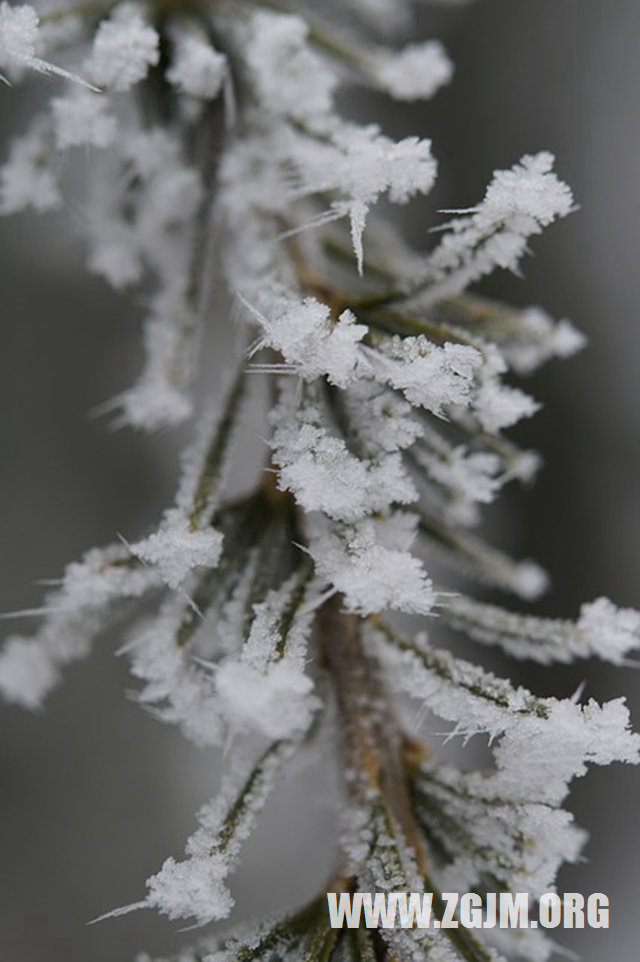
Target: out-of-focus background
94	793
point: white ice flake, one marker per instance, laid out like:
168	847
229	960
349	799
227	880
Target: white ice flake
193	888
310	341
542	743
464	478
277	702
360	164
18	34
428	375
90	595
609	632
124	49
176	549
26	181
28	672
518	203
178	690
244	600
325	476
416	72
371	575
197	68
602	630
380	420
19	39
499	406
537	339
290	78
83	118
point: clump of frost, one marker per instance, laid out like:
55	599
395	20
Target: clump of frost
290	78
370	564
497	405
310	342
518	203
414	73
89	597
429	376
82	118
602	630
177	689
542	742
27	672
193	888
360	164
266	689
19	41
276	702
176	549
608	631
539	339
196	886
25	180
324	475
197	69
124	48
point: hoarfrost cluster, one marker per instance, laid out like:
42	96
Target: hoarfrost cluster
214	147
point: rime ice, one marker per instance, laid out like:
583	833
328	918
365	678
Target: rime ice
260	606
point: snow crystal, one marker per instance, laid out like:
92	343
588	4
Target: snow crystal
124	48
114	254
176	550
154	403
277	703
608	631
19	39
73	615
310	342
18	34
325	476
197	68
150	151
415	72
518	203
537	339
25	180
179	689
430	376
602	630
490	829
537	759
83	118
370	575
544	742
379	419
467	478
290	78
361	164
27	672
161	397
499	406
268	641
193	888
529	194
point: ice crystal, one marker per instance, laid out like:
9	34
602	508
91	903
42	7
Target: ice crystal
123	50
219	157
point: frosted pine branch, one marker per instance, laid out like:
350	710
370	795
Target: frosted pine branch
215	147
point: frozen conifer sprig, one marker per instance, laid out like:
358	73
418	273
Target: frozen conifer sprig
215	146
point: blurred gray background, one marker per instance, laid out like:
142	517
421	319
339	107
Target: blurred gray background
94	793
